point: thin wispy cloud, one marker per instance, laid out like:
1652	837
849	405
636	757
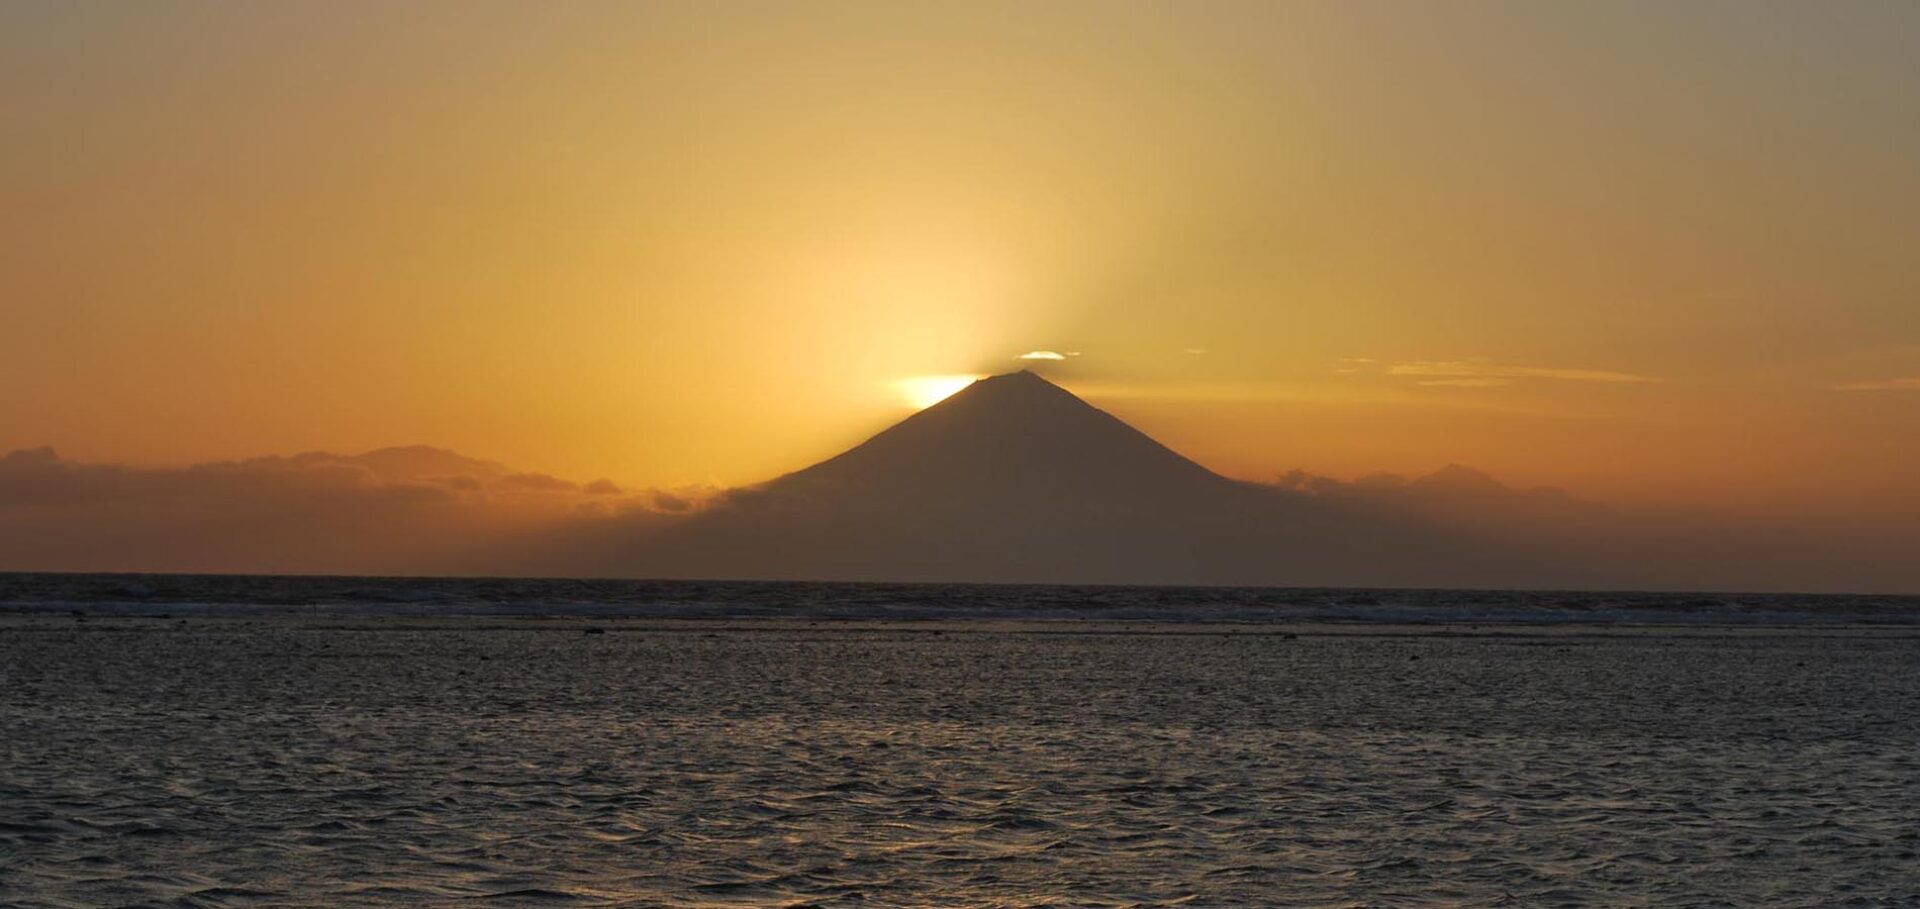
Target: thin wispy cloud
1467	382
1353	365
1454	372
1041	355
1909	383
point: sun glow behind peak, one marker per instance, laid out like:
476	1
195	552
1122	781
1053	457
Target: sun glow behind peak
925	391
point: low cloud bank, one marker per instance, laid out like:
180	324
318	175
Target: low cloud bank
1564	541
421	510
414	510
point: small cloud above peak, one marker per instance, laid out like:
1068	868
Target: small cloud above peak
1045	355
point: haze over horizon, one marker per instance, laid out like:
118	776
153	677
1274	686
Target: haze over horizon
1011	480
1656	256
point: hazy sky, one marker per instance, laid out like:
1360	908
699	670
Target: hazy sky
1653	252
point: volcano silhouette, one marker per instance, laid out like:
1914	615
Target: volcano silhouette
1014	479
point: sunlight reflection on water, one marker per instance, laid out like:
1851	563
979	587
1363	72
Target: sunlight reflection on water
273	764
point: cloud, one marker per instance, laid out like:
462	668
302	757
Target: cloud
1453	483
1452	371
29	457
401	511
1911	383
669	502
1553	538
1486	382
394	510
537	482
1042	355
1353	365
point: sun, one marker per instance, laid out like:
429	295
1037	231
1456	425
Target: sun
925	391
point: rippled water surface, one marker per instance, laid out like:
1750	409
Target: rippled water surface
231	763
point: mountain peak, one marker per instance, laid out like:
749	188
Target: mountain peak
1024	379
1011	437
1004	386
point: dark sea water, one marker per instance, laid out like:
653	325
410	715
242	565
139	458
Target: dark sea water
239	594
304	743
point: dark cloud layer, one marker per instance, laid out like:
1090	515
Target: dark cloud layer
398	510
428	511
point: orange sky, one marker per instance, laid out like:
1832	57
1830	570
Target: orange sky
1651	254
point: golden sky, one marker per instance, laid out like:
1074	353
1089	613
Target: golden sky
1650	252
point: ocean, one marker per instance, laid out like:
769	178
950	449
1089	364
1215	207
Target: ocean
229	595
208	741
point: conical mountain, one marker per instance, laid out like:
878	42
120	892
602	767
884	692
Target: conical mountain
1016	479
1016	439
